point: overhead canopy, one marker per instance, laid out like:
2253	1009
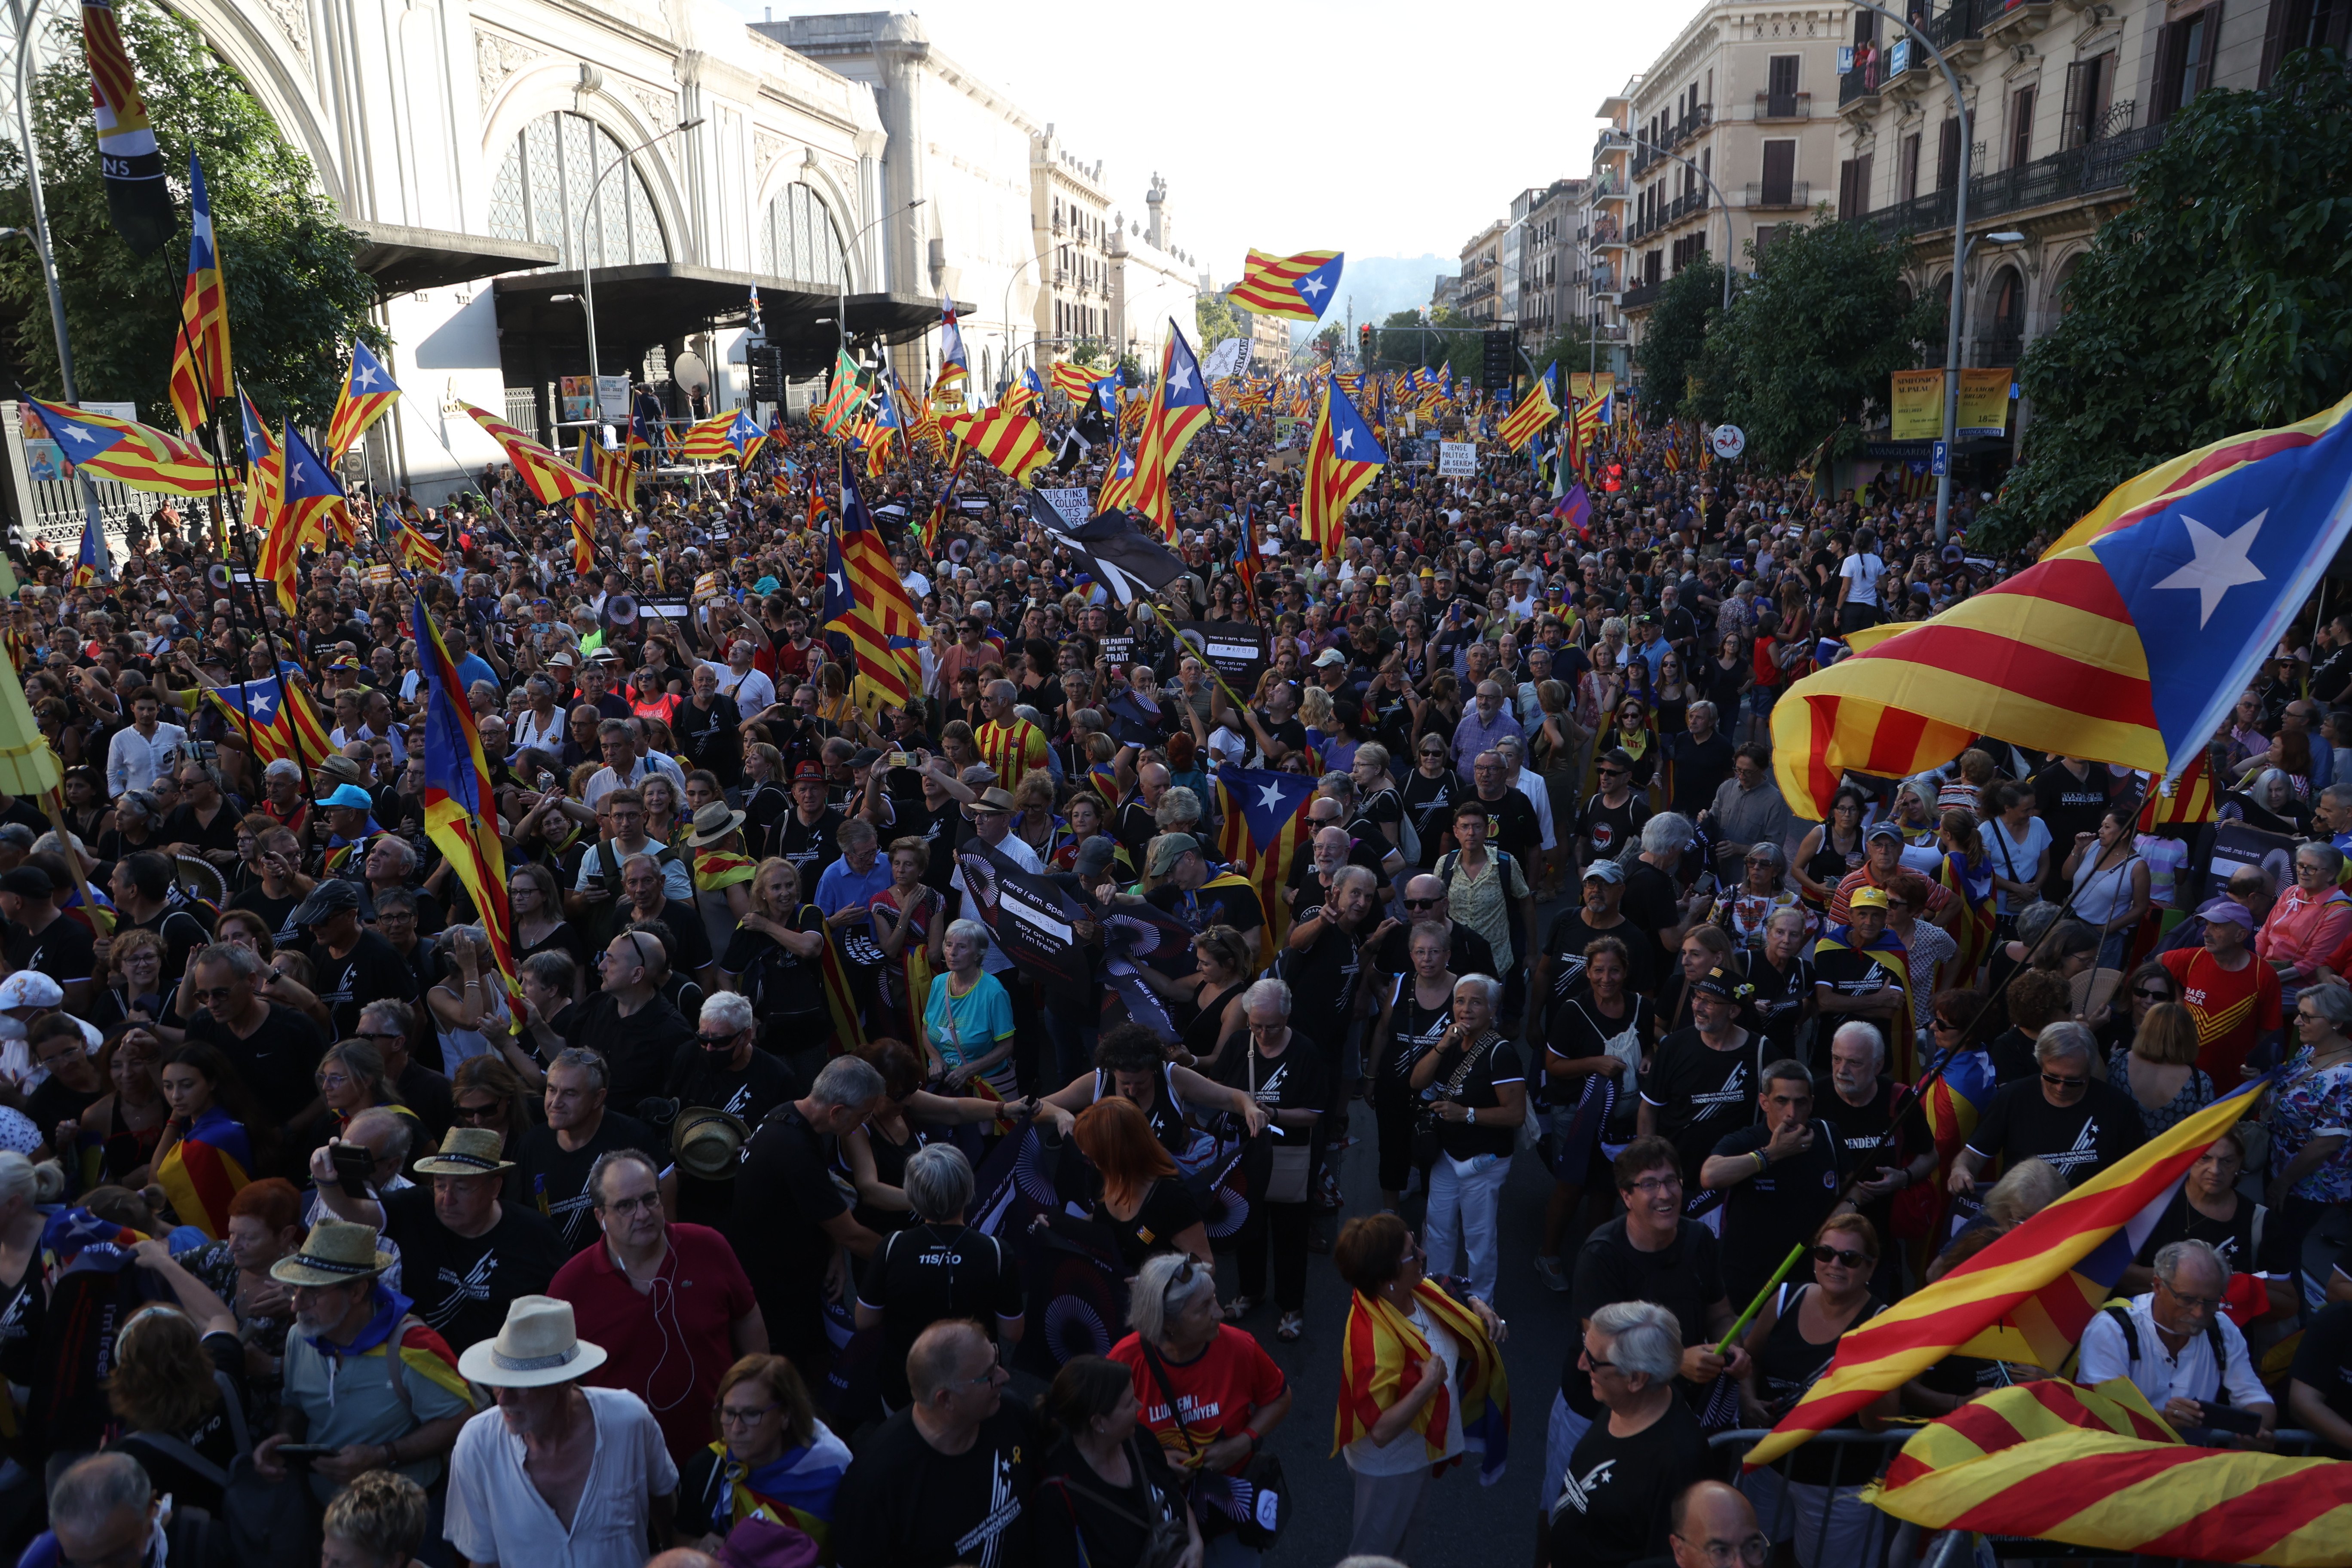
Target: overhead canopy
402	261
662	301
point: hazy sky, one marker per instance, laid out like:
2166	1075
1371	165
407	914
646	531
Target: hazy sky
1375	128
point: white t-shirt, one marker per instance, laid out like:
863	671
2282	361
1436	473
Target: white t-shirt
1409	1451
1863	572
2011	858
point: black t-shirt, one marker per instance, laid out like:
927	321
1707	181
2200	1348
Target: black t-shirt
557	1178
2324	1362
1869	1142
808	844
1168	1211
1777	1208
181	826
1571	933
700	1077
373	971
972	1505
779	983
926	1273
2078	1140
781	1238
2250	1241
1295	1081
212	1436
1079	1519
1323	977
278	912
1468	953
278	1061
638	1049
1612	827
461	1284
1685	1279
1612	1507
2068	805
1516	831
1701	1094
1700	768
1780	1000
1497	1067
1653	903
711	739
1429	803
183	932
64	950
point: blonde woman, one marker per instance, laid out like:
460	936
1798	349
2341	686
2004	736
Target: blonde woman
775	960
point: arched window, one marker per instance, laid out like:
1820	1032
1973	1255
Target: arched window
2059	303
797	241
543	187
2008	303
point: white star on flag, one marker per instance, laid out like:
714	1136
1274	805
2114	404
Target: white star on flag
1272	796
1346	442
1180	379
1312	284
2219	565
260	706
364	378
75	433
840	582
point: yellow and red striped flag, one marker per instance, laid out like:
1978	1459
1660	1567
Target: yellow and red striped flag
2183	802
2098	1467
200	366
1342	458
1532	418
141	455
2028	1296
1013	442
1295	288
276	719
367	394
1178	412
1072	380
549	478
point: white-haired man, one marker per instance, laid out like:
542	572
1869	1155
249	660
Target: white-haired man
2180	1349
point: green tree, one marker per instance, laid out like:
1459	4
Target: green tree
1812	339
2216	303
1327	342
1674	344
1216	317
1440	337
296	295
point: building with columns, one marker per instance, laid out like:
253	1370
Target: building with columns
1153	282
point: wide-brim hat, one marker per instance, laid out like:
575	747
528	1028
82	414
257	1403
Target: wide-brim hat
993	799
713	823
466	1152
323	902
539	1344
336	1252
342	767
707	1143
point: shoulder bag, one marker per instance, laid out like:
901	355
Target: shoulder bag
1165	1540
1253	1505
1288	1154
1425	1120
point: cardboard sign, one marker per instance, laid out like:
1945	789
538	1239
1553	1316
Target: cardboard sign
1119	650
1075	505
1235	649
1457	459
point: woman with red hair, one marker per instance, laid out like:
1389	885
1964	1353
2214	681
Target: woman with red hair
1142	1202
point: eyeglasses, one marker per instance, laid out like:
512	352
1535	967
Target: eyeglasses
647	1202
2194	1304
2056	1081
1757	1548
485	1112
737	1415
1421	903
1594	1364
1943	1024
1650	1186
1847	1256
716	1042
211	992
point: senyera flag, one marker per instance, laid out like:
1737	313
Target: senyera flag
2026	1299
2128	642
2099	1468
461	812
1295	288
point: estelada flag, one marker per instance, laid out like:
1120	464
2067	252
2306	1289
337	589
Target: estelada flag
276	719
199	359
367	392
141	455
1342	458
2128	642
1264	822
461	811
2099	1468
550	479
1295	288
2026	1299
1534	415
205	1170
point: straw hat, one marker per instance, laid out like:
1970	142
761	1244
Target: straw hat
537	1345
336	1252
713	823
707	1142
466	1152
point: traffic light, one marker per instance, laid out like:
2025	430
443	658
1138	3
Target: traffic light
1364	345
1498	365
766	363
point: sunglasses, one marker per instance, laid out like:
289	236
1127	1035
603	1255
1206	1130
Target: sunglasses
2151	993
1846	1256
715	1042
478	1112
2055	1081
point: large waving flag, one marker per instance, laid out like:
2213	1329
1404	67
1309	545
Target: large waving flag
2099	1468
141	455
1574	508
1264	817
1072	380
2028	1296
276	719
866	604
265	466
1117	492
2127	645
1342	458
1013	441
312	504
138	202
200	362
368	394
550	479
1295	288
1532	418
461	813
1178	412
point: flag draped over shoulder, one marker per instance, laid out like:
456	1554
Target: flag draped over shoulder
1342	458
461	813
2128	642
1262	817
141	455
2028	1296
368	394
208	1166
1295	288
199	359
1383	1361
2099	1468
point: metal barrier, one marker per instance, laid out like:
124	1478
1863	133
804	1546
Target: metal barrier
1830	1527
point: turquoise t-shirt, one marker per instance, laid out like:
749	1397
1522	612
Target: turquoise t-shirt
967	1028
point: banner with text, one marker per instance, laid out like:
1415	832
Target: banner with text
1235	649
1027	914
1918	406
1984	402
1585	386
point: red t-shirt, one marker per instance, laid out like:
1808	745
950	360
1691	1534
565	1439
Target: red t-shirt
670	1346
1217	1391
2232	1008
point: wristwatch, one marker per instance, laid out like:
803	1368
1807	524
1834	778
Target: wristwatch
1470	1115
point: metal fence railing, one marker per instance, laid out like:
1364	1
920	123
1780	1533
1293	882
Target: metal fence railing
1824	1518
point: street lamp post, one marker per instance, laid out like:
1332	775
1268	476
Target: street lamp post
1005	313
588	272
1956	306
1627	139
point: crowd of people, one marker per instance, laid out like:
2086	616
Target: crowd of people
319	1237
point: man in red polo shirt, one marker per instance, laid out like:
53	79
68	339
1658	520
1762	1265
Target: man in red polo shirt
1882	849
2232	994
674	1305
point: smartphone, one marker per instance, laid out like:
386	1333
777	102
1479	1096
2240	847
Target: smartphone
306	1451
2230	1418
354	1165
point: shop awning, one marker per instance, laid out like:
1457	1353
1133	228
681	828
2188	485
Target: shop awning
402	261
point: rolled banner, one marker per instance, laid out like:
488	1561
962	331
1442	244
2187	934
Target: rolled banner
137	199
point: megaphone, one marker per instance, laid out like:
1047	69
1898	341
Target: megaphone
620	612
217	576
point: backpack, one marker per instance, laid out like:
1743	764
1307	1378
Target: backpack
604	921
269	1524
2121	1312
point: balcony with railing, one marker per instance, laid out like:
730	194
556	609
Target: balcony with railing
1691	124
1640	299
1957	30
1784	106
2013	21
1780	196
2087	171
